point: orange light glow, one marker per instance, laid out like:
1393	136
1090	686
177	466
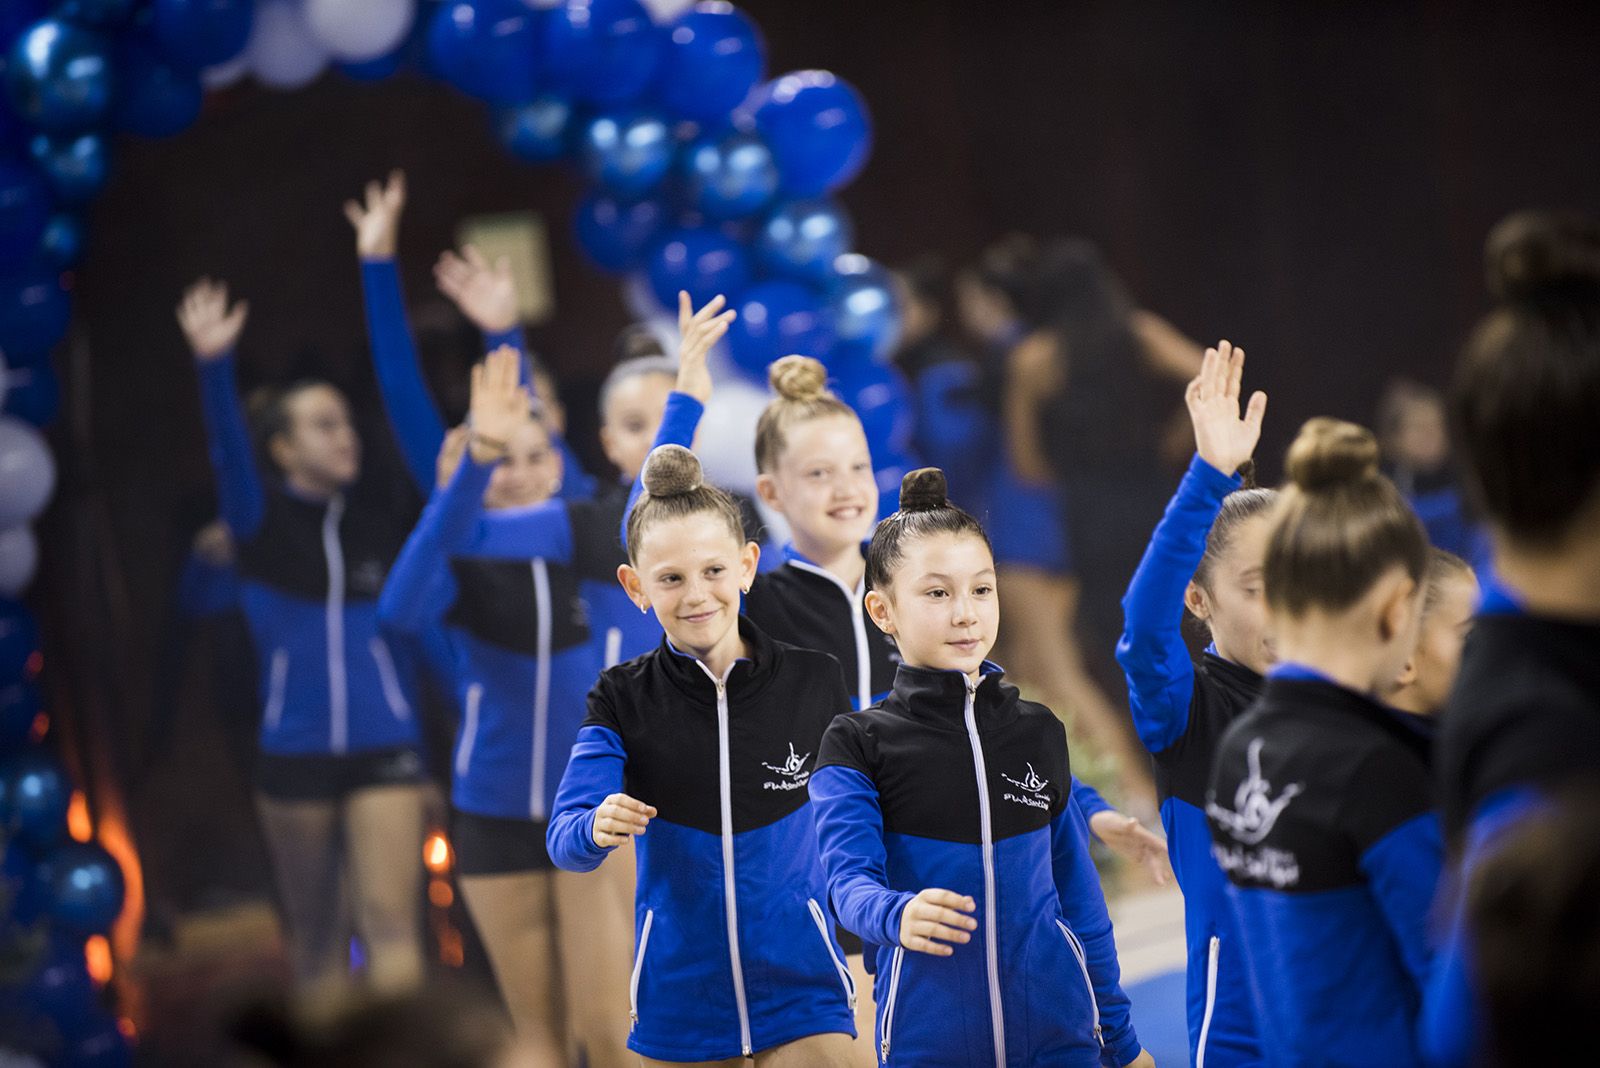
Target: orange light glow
34	664
436	853
440	894
125	1025
97	956
41	726
450	949
79	825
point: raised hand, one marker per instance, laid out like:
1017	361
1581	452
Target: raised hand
620	818
486	293
500	404
209	325
450	452
1132	841
377	222
1223	437
698	331
934	918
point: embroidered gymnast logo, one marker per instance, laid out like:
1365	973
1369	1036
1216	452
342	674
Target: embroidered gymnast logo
1032	788
792	771
1255	811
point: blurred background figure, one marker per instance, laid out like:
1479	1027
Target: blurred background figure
1415	439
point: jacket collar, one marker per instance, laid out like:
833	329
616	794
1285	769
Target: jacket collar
1294	690
940	697
748	676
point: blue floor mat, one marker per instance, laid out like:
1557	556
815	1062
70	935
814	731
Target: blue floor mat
1159	1016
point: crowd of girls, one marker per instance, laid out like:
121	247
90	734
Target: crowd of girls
708	809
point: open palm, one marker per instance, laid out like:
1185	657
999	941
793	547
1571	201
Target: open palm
209	325
377	221
499	401
485	292
698	332
1223	436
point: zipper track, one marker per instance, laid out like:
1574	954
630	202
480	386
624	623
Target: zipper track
638	968
858	622
889	1003
541	688
729	885
1213	951
469	729
389	678
991	922
275	688
821	920
1083	966
338	682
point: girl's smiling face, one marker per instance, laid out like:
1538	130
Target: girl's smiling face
942	607
691	570
823	484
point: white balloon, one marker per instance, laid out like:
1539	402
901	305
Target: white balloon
359	30
19	559
282	52
727	438
27	472
225	74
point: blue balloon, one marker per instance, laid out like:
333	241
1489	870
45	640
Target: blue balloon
95	12
802	239
154	99
19	704
16	16
27	885
87	887
729	177
33	394
864	305
99	1045
626	152
62	243
702	262
76	166
19	641
59	76
888	471
36	793
195	34
59	988
488	49
617	235
538	131
604	51
34	311
777	318
818	129
24	212
714	56
882	399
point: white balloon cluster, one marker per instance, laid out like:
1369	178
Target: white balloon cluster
27	481
293	41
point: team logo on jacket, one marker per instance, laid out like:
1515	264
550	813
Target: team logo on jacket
1255	812
1030	789
367	577
792	773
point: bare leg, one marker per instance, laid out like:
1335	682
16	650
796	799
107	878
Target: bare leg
812	1051
303	838
514	914
383	829
731	1062
594	928
866	1010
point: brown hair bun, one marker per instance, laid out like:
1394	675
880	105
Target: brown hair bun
671	471
1330	453
923	490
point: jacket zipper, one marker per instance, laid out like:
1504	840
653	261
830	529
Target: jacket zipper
275	688
541	687
1083	966
638	968
725	777
990	920
613	654
889	1003
821	920
338	684
389	679
1213	951
469	729
858	622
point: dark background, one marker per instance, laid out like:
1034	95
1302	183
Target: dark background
1311	180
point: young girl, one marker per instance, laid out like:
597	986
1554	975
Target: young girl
951	799
523	662
339	777
1205	556
707	742
1320	800
1449	602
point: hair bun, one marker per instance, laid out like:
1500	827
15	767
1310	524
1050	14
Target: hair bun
1329	453
798	378
671	471
923	490
1531	253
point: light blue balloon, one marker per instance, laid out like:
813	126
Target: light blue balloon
627	152
802	239
864	306
59	76
729	177
539	131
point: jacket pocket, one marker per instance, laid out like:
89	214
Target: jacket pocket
638	968
820	918
889	1004
1088	984
389	679
277	683
469	729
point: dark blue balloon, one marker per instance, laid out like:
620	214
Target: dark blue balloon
59	76
19	704
714	56
888	472
617	235
76	166
626	152
27	885
154	99
604	51
882	399
817	128
777	318
33	394
62	243
729	177
59	987
702	262
865	309
95	12
36	793
19	641
16	16
538	131
375	70
487	48
87	887
802	239
202	33
100	1044
34	311
24	212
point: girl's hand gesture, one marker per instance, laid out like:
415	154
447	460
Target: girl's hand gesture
620	818
1223	438
1132	841
450	452
486	293
933	918
698	331
209	325
500	404
377	224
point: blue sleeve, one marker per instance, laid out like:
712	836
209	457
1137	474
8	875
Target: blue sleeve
420	589
418	427
1089	800
543	529
679	420
1083	904
850	833
206	590
240	495
594	773
1402	870
1152	652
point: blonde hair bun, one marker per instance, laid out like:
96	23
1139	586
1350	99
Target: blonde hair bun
798	378
1331	453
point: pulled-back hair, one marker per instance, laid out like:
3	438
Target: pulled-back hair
635	367
802	387
1443	565
674	487
1527	388
269	417
1339	525
925	509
